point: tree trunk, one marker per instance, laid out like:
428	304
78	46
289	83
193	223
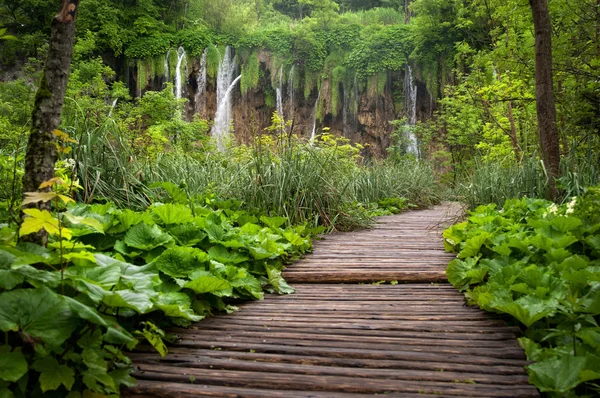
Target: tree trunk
41	148
544	92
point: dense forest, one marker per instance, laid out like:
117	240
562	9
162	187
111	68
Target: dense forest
203	144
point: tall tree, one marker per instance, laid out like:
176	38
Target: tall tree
41	149
544	92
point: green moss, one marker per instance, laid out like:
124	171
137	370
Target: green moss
250	73
320	109
430	74
338	76
376	83
43	91
270	100
142	75
151	67
159	65
382	79
213	58
276	64
309	83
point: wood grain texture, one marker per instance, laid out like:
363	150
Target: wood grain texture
330	339
406	248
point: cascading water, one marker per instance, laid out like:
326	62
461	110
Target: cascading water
291	93
167	74
181	57
225	77
225	85
279	93
200	99
313	134
410	88
220	129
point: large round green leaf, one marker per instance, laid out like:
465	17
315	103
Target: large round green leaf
40	313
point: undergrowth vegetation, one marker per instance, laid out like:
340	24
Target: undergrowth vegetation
110	278
539	263
495	182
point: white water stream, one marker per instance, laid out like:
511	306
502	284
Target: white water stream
225	84
410	88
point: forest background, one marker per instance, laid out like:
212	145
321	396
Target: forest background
153	190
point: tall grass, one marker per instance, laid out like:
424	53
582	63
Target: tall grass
315	185
493	182
105	164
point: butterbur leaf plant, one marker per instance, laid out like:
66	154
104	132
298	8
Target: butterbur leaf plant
539	263
110	279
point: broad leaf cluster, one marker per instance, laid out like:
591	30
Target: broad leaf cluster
111	278
539	263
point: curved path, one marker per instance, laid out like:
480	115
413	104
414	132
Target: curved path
413	337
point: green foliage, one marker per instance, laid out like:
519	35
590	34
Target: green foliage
148	47
110	278
381	49
15	109
196	40
539	263
250	74
213	59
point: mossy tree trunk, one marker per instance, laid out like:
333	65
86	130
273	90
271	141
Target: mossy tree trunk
41	149
544	92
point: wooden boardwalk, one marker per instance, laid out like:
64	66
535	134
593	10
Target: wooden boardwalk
414	339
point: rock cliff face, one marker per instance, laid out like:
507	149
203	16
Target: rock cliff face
363	115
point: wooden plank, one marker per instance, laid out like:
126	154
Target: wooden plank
504	352
326	383
476	338
224	363
158	389
295	335
177	355
332	277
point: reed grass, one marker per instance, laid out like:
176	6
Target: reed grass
494	182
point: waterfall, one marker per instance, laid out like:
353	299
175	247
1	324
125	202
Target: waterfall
313	134
279	93
224	79
220	127
167	73
225	85
410	90
291	93
178	78
200	100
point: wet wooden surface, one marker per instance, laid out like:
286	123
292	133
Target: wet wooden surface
330	339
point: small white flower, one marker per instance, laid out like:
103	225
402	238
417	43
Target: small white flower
571	205
553	209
